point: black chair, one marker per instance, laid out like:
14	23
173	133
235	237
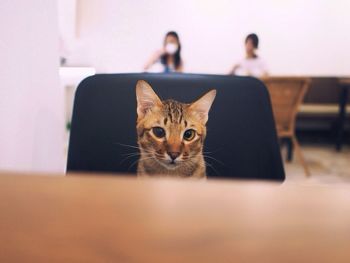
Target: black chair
241	138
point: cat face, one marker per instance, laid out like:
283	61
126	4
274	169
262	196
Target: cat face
170	132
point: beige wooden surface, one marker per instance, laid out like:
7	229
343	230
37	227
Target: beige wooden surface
118	219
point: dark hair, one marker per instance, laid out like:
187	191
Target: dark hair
177	55
254	38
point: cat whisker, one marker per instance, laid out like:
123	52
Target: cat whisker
128	157
212	158
134	154
207	164
133	164
131	154
212	151
126	145
212	167
141	159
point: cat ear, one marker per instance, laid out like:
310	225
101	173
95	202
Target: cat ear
146	98
202	106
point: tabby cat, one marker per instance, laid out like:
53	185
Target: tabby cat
171	134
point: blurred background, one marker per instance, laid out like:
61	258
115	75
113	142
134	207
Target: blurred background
48	47
296	37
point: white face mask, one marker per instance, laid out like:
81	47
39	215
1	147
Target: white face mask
171	48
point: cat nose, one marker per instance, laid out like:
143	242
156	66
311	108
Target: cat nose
174	155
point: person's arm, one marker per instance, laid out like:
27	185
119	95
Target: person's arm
264	69
153	59
233	70
265	74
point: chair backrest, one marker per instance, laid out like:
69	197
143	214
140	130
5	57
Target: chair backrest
286	95
104	120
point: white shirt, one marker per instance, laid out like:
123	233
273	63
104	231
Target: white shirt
251	67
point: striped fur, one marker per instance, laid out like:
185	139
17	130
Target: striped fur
174	118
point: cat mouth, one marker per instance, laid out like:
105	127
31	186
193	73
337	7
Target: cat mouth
169	164
172	165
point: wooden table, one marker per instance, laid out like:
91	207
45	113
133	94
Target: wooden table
119	219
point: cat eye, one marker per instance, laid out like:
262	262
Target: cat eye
189	134
158	132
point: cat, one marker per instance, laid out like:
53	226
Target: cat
171	134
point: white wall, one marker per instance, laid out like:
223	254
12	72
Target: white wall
31	103
297	37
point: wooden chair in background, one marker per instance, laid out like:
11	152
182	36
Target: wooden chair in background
286	95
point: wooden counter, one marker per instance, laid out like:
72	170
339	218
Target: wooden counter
120	219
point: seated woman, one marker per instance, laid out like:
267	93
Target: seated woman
252	64
168	59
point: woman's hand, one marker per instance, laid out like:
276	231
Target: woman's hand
154	58
233	70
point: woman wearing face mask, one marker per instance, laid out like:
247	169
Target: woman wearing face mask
168	59
252	64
